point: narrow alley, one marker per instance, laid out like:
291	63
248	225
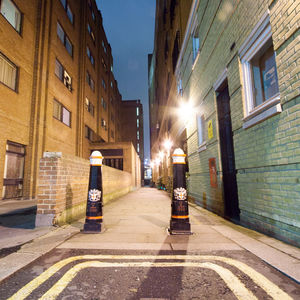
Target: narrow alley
135	258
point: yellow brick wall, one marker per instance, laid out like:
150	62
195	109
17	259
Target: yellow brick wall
63	187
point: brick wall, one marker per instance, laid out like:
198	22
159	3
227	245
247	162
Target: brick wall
267	155
63	187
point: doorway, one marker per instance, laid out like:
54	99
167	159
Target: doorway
231	203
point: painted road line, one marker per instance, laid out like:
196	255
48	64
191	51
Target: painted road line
235	285
270	288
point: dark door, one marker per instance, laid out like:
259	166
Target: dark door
231	203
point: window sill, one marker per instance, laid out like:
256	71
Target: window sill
261	115
202	147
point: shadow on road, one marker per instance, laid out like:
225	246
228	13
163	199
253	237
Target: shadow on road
163	283
20	218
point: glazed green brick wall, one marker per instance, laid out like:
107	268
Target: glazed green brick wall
268	154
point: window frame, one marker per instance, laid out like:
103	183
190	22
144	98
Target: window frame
65	75
201	130
65	39
195	41
62	108
90	55
21	16
66	6
8	61
257	39
91	32
90	81
89	106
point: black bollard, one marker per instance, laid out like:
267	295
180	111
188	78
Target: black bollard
93	220
179	223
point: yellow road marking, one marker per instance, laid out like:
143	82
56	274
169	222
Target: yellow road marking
236	286
270	288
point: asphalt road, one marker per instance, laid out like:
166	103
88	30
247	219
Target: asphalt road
111	274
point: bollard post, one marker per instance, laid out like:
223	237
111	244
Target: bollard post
179	223
93	220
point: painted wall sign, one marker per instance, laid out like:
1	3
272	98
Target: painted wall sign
210	129
213	172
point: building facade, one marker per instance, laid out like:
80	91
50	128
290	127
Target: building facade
132	127
170	25
239	70
58	91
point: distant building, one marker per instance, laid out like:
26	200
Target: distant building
57	91
132	127
170	26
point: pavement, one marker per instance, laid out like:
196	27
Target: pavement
139	221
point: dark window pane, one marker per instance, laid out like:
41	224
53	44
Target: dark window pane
70	14
69	46
60	33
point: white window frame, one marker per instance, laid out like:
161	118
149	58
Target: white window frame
201	132
259	36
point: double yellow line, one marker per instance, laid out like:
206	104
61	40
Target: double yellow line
236	286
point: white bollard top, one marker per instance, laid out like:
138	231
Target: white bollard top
178	156
96	158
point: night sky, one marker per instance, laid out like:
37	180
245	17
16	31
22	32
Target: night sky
129	27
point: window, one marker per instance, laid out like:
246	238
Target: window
93	15
12	14
137	111
103	84
138	135
103	124
13	170
196	43
90	81
260	74
104	65
63	75
68	10
137	123
138	148
201	130
61	113
103	103
90	55
179	87
91	32
64	39
89	106
111	84
89	133
8	73
104	47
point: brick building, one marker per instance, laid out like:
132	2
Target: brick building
132	127
238	68
58	91
170	24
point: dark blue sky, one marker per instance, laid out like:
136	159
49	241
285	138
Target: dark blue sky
129	27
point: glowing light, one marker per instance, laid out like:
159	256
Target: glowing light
168	145
161	155
186	112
